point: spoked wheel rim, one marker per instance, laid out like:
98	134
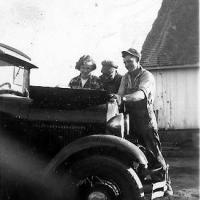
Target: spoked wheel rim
98	188
99	177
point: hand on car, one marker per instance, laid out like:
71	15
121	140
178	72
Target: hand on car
116	97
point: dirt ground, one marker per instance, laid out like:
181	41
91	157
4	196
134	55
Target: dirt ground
184	173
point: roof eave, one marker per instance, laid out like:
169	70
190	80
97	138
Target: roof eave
184	66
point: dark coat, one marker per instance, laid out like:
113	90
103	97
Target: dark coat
111	85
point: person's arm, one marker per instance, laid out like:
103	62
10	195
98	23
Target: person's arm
121	90
146	89
73	83
135	96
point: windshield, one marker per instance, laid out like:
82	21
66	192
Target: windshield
11	78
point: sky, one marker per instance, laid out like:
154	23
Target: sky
56	33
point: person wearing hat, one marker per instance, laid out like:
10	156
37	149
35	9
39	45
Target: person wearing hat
85	80
110	78
137	90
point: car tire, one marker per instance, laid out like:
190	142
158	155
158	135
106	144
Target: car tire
101	176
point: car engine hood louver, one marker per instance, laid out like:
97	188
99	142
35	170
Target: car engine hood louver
65	98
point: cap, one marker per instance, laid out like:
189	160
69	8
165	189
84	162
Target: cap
132	52
109	63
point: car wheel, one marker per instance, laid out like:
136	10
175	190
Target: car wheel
104	178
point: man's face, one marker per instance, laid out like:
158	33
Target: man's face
131	63
108	72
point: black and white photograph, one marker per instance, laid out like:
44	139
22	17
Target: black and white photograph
99	100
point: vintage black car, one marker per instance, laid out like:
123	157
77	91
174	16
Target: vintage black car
61	143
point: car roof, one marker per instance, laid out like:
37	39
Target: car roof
10	55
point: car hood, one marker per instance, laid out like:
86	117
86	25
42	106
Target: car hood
66	98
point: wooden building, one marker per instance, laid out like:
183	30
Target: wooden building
176	103
171	53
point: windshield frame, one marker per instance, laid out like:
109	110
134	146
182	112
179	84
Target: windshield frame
16	85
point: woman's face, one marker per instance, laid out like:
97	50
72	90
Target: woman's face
86	69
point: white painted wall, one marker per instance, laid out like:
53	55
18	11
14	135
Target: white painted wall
177	98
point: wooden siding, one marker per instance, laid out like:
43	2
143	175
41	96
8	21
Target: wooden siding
176	103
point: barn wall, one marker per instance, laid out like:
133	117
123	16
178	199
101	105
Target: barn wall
176	102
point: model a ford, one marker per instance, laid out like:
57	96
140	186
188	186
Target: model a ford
61	143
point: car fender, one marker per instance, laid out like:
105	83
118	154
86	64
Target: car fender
129	149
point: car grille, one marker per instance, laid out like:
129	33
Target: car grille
64	133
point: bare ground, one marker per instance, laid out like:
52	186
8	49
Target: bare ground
184	173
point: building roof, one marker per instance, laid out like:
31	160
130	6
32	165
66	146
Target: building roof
174	37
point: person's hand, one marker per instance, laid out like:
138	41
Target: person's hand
124	99
115	97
